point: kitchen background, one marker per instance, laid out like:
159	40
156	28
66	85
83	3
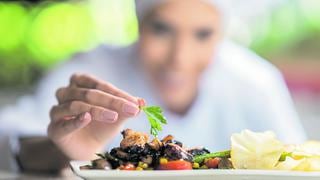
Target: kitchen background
36	35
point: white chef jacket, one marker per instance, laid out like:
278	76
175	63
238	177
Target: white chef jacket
239	90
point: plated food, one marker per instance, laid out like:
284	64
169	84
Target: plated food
136	152
249	150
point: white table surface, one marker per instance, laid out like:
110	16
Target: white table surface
66	175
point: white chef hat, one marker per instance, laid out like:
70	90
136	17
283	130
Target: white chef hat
229	9
143	7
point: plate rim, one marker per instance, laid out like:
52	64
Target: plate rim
75	166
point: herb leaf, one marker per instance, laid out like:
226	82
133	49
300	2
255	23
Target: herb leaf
155	117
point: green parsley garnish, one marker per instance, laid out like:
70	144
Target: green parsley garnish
155	117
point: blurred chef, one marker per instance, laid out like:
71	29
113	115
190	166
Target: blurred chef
208	86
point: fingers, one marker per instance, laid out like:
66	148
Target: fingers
64	127
98	98
90	82
75	108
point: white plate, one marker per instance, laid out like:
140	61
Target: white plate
192	174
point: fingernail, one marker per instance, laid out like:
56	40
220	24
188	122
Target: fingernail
109	116
142	102
130	109
86	116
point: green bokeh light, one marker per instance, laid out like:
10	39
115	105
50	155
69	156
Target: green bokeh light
13	21
58	31
33	37
284	28
115	21
311	11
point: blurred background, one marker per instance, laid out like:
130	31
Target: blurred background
36	35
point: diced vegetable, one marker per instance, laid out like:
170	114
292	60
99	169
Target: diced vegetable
127	167
176	165
213	163
195	165
163	161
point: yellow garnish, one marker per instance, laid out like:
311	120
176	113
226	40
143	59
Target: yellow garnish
163	161
250	150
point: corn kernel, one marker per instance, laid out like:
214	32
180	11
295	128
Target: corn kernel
144	166
204	167
139	168
206	160
140	164
163	161
195	165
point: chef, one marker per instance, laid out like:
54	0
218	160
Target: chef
208	87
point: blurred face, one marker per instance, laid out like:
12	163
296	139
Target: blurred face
177	43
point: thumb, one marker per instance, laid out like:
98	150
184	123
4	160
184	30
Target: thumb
64	127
